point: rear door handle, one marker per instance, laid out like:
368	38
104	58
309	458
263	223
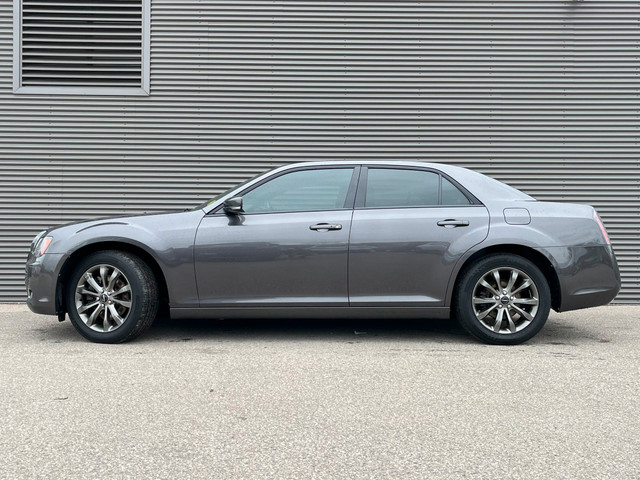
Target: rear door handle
326	226
451	223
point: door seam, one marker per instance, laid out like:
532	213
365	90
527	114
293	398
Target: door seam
349	259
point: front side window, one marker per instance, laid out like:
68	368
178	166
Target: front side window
304	190
80	47
389	187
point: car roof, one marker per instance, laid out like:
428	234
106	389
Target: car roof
367	162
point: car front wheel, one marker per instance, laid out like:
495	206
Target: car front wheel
503	299
112	297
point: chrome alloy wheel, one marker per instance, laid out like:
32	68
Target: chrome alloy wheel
103	298
505	300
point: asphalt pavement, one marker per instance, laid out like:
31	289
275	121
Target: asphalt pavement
322	399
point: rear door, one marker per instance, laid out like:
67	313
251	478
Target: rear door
410	227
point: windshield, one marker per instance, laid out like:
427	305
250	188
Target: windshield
226	192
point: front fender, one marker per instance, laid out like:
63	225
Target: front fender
168	239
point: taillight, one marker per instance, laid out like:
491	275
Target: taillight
602	229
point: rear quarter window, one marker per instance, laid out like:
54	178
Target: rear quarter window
451	195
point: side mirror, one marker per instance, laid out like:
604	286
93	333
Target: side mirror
233	205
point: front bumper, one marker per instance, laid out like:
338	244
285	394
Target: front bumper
41	280
588	276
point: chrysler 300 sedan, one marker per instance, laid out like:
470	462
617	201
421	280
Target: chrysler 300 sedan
333	239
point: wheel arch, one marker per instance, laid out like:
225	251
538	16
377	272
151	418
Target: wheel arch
530	254
77	255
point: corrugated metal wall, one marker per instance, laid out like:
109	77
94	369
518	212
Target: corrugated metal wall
541	94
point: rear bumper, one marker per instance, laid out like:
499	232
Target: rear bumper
41	279
588	276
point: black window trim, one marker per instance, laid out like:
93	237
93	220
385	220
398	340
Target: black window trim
348	204
361	194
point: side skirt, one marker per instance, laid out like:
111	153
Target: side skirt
312	312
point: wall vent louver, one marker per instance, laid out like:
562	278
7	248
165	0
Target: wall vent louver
82	43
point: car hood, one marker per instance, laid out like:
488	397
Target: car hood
155	231
81	225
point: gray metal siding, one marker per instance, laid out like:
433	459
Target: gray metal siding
541	94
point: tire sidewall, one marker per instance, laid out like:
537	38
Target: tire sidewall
464	306
136	279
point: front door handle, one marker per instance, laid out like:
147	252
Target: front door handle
325	226
451	223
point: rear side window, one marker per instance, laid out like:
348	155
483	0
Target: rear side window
304	190
388	187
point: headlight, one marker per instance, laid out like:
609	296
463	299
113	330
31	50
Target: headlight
40	243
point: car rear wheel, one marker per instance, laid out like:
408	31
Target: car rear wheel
112	297
503	299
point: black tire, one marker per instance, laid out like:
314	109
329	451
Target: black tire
144	296
463	300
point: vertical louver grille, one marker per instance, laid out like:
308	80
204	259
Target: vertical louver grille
81	43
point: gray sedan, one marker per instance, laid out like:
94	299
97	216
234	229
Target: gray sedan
333	239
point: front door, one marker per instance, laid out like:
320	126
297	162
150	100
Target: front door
410	228
289	247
